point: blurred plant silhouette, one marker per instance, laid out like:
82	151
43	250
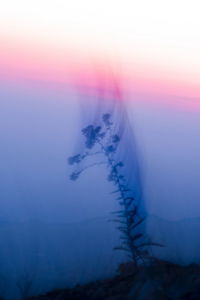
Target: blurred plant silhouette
102	142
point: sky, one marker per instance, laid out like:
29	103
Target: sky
55	58
153	41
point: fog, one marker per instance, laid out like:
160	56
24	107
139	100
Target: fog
56	230
169	145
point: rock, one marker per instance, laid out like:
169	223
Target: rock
116	297
160	281
127	268
149	289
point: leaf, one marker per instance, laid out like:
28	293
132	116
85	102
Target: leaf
114	192
120	216
74	176
115	138
110	149
137	236
91	134
106	119
123	229
122	248
126	242
119	221
150	244
118	211
123	237
126	190
102	135
119	164
74	159
138	223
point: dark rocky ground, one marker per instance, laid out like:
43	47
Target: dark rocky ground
163	280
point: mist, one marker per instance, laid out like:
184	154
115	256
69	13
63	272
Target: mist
54	230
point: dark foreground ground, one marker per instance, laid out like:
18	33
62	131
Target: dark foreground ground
163	280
